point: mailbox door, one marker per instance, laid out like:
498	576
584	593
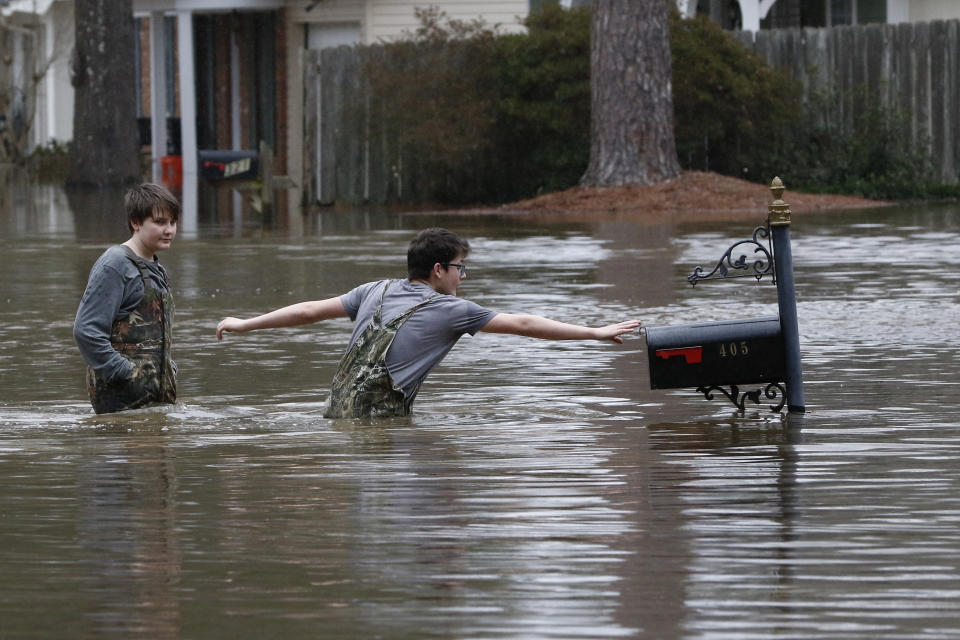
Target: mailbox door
716	353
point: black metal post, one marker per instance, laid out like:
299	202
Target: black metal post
779	221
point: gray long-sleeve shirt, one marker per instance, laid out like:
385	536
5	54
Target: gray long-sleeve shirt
114	289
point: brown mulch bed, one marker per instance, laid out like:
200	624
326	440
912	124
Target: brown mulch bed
694	195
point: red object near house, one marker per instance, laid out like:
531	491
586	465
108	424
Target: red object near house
171	170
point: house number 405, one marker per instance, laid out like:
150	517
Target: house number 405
734	349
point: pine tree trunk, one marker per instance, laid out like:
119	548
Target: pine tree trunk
105	148
631	121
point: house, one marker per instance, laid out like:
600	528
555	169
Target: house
35	90
753	15
227	74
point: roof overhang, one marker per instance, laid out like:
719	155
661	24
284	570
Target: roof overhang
25	11
142	7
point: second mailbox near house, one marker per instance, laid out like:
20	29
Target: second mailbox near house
229	165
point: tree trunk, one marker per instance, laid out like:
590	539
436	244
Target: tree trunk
631	120
105	139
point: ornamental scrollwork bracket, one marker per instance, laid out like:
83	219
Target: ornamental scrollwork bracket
727	267
771	392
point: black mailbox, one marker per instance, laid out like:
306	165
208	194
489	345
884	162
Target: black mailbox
229	165
727	352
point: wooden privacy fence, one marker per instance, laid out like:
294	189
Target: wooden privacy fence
354	149
913	68
351	155
334	139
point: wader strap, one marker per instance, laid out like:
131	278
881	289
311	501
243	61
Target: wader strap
377	318
377	315
165	309
140	263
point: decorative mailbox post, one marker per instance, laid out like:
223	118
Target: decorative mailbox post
712	355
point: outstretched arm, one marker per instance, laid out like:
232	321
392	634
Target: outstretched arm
546	329
292	316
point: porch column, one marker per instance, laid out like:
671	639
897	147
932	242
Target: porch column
158	94
236	140
188	97
49	88
188	121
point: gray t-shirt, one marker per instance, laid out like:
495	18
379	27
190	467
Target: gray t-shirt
426	337
114	289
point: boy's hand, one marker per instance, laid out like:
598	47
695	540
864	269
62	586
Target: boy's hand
614	331
233	325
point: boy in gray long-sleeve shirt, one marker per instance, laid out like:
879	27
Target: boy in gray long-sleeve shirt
123	323
114	289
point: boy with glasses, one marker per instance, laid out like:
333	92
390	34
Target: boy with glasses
404	328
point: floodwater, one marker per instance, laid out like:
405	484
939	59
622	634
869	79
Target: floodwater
540	490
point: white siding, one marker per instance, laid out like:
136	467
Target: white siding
59	90
927	10
326	11
37	7
321	35
392	19
50	43
898	11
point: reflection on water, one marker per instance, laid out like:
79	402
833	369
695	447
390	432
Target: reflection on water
540	490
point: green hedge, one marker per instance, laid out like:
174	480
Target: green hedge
542	132
729	106
494	118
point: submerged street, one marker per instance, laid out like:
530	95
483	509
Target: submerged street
540	490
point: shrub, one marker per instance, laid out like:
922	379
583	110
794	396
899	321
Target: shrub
542	129
430	99
737	116
729	106
50	162
871	155
478	116
481	117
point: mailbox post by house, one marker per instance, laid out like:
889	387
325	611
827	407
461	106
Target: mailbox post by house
710	356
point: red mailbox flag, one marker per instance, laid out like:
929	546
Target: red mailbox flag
693	355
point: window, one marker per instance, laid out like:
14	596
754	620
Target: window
869	11
841	12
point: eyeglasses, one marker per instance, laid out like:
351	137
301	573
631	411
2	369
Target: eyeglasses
461	267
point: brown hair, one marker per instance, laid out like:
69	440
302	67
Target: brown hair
432	246
146	200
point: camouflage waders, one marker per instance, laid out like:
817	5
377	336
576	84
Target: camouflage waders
144	338
362	386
